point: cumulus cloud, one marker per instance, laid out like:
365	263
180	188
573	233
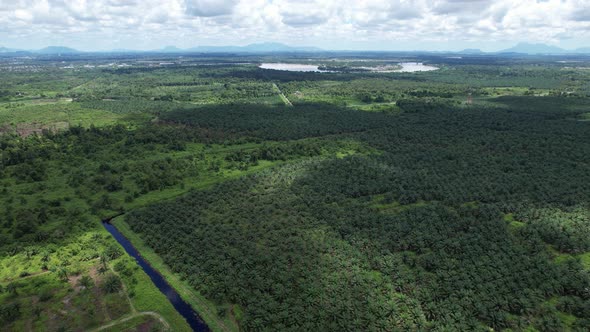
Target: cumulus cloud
209	8
299	20
581	13
91	24
461	6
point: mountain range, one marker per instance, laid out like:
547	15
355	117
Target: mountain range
57	50
527	48
521	48
252	48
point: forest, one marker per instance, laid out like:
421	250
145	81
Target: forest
447	200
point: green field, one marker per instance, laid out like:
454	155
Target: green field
449	200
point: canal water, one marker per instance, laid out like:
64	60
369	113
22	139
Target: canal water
183	308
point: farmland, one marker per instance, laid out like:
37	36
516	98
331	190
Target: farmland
451	199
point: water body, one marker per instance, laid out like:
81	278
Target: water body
183	308
410	67
406	67
292	67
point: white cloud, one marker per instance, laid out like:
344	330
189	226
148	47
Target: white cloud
451	7
92	24
209	8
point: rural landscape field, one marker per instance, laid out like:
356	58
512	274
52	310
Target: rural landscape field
294	165
349	199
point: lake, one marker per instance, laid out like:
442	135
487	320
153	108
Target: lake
291	67
406	67
410	67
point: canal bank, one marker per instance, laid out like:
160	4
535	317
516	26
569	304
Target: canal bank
183	308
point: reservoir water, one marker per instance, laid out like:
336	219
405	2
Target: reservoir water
406	67
410	67
183	308
291	67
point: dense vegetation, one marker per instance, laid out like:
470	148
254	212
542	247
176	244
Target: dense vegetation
448	200
412	237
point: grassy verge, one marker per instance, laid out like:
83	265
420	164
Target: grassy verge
146	297
206	309
137	323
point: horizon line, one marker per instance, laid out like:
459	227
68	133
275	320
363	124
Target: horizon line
299	49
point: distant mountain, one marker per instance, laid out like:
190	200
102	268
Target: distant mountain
278	47
57	50
8	50
471	51
170	49
214	49
527	48
521	48
122	50
254	48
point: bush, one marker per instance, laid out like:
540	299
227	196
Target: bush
9	312
112	284
113	252
45	295
86	282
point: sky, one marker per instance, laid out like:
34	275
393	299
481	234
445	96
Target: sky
96	25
